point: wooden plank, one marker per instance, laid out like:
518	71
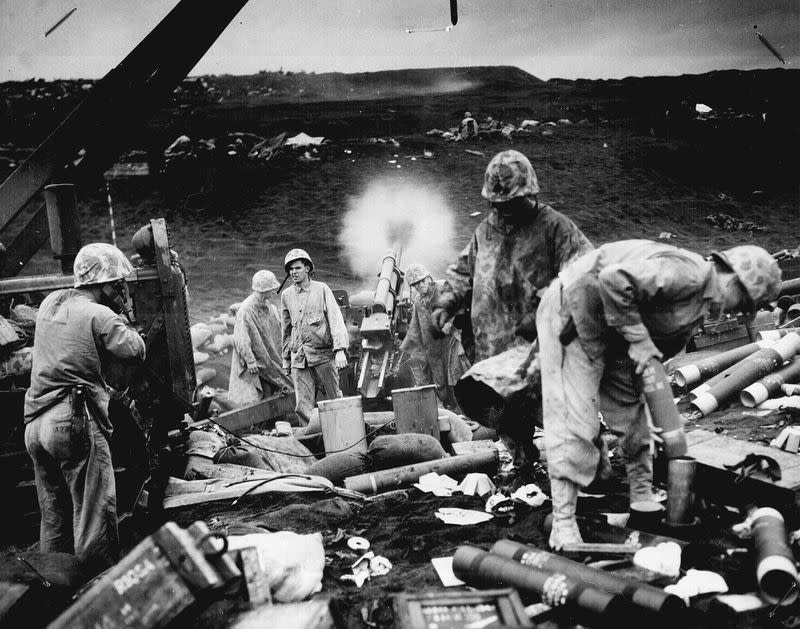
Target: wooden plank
416	410
241	418
182	493
699	436
720	450
468	447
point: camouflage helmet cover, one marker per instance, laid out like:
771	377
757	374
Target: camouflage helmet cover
757	270
98	263
416	273
297	254
264	281
509	175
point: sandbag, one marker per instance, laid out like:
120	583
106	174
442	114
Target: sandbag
201	334
17	363
293	563
282	454
336	467
205	442
398	450
459	430
199	357
241	454
204	375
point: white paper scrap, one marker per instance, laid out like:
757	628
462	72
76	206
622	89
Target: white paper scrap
462	517
444	568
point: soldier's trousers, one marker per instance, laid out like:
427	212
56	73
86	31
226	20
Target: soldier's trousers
305	387
574	388
76	489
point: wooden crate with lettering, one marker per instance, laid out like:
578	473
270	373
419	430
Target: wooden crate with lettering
160	578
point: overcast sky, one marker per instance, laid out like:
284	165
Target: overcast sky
548	38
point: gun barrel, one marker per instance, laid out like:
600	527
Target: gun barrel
388	284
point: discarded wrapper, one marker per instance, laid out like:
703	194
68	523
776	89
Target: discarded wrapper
664	558
462	517
437	484
499	504
530	494
476	483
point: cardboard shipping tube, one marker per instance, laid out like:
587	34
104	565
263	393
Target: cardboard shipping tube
769	385
774	335
386	480
746	372
640	594
477	567
658	395
703	369
775	568
680	494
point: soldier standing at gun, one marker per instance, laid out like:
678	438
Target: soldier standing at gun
315	337
256	364
433	359
66	407
514	254
600	322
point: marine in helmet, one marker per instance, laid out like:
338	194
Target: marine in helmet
599	323
256	363
434	359
314	335
66	406
513	255
468	127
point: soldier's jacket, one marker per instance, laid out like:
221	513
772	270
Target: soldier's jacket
625	291
500	272
444	357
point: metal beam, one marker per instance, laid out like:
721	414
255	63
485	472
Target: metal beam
108	116
47	283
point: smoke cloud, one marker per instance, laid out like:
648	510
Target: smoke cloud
398	215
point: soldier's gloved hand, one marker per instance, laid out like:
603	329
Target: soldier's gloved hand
641	352
526	327
440	317
252	369
341	359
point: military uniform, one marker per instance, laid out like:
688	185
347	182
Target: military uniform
502	270
256	342
443	358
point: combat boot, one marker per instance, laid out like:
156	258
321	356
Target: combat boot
565	526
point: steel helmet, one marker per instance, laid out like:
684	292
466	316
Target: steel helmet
467	114
509	175
756	269
100	262
264	281
297	254
416	273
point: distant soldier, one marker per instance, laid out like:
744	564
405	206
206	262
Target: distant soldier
436	360
514	254
256	363
468	127
600	322
314	334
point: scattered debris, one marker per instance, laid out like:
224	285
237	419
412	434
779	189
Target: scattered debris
729	223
